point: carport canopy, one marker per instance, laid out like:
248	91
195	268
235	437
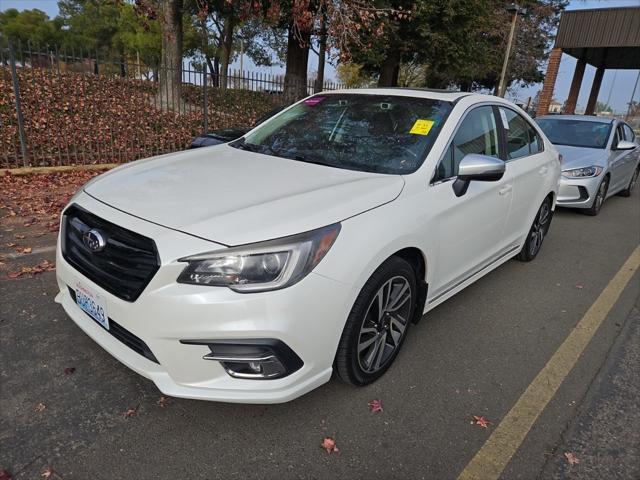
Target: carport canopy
606	38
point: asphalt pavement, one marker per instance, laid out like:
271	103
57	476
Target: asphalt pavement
473	355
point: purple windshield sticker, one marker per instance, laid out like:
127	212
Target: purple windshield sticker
313	101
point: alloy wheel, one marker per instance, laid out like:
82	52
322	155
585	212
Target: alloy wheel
602	191
634	180
539	228
384	324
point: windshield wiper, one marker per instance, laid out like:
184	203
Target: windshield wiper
301	158
249	147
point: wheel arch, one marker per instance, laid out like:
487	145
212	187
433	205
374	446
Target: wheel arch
418	261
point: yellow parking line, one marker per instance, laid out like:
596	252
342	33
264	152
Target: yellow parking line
494	455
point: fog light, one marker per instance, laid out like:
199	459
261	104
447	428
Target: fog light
251	359
256	367
263	367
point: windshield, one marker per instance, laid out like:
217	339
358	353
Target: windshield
575	133
371	133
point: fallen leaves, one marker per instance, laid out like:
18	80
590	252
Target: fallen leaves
329	445
40	407
481	421
25	250
74	118
162	402
131	412
4	475
47	472
571	458
579	286
44	266
375	406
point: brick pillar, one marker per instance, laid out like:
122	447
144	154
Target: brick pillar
595	90
546	95
572	99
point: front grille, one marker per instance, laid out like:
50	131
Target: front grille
126	264
124	335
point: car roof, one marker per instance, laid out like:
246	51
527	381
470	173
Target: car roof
580	118
444	95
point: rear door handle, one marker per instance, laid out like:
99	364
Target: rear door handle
543	170
504	190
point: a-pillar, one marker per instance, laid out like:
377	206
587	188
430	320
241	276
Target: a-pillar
574	91
595	90
546	95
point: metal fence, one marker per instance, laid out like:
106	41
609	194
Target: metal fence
75	107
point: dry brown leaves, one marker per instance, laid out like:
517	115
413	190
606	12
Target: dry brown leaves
329	445
43	266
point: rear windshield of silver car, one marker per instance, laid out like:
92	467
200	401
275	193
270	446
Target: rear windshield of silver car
575	133
372	133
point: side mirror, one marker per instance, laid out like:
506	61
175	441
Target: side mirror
477	167
624	145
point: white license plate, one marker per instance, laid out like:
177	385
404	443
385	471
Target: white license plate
93	304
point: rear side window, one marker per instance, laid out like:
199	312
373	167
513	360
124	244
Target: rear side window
522	139
477	134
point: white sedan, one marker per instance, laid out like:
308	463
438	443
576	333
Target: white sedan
250	271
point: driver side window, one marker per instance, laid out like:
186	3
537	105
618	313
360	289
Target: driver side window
477	133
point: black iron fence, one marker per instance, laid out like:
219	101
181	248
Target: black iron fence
75	107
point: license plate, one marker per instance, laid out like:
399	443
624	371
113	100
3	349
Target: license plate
93	304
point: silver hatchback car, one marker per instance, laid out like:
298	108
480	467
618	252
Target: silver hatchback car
600	158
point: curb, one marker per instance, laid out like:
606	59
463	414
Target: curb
60	169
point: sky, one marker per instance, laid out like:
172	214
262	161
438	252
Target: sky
616	89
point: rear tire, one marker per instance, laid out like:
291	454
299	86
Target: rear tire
598	201
537	233
632	184
378	323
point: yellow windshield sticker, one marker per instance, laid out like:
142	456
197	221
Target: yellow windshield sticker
422	127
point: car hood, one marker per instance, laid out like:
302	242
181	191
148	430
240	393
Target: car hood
577	157
234	197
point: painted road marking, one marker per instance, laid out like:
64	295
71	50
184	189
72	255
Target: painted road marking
497	451
35	251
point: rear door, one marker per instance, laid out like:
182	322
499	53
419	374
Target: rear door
531	169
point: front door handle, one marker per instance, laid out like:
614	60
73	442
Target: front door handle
543	170
504	190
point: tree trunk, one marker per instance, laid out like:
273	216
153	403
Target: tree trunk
171	63
295	78
214	70
123	60
322	49
227	45
390	69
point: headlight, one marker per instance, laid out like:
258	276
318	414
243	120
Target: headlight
582	172
261	266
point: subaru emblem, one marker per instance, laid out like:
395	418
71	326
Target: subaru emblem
94	240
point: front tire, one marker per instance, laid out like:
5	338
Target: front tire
632	184
537	233
377	324
601	194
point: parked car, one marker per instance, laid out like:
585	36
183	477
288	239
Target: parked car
249	272
225	135
600	158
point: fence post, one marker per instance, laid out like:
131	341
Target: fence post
16	92
205	106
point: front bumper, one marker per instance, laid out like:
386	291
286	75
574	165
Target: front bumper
578	192
308	317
